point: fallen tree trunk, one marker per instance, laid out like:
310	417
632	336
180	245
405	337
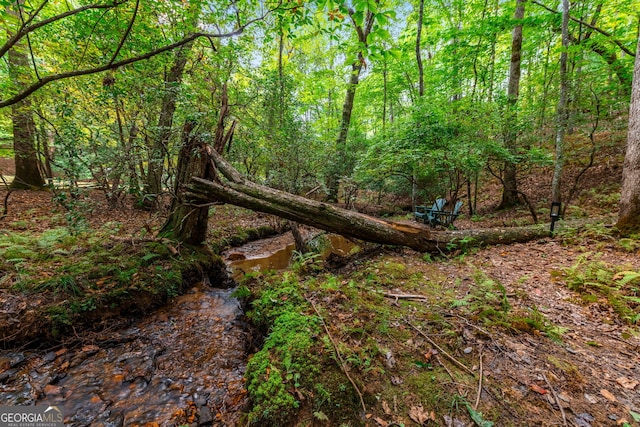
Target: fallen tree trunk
239	191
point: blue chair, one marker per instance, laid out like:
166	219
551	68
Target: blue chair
446	218
430	215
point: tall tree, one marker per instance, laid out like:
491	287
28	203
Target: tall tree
629	216
563	111
185	223
362	23
510	176
159	149
419	48
28	174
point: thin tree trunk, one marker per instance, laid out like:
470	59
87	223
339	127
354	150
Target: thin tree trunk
629	216
301	245
419	49
384	96
338	163
562	113
159	149
510	196
338	166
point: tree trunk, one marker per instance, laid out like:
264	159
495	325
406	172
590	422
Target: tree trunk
28	174
419	48
510	193
629	216
241	192
337	167
186	223
563	113
159	149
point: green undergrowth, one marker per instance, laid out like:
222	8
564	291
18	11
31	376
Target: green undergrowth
317	325
601	283
486	302
75	279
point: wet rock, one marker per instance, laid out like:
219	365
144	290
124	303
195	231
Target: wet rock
4	376
49	357
584	419
117	421
204	415
78	359
11	360
236	256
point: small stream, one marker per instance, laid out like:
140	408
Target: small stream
275	253
183	364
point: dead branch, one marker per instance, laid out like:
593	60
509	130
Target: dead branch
555	397
450	357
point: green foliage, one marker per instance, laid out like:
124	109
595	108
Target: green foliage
285	364
618	286
306	263
488	300
477	417
78	274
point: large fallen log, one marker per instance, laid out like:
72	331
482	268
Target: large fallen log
239	191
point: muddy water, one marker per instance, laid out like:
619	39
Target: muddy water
182	365
275	253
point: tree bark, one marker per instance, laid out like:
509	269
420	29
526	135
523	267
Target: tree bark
28	174
188	224
419	49
239	191
510	193
338	164
629	215
159	149
563	112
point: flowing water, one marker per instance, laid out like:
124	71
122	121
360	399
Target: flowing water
183	364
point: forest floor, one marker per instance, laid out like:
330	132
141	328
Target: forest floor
532	334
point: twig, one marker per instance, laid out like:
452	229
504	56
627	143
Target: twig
555	396
479	385
342	363
405	296
455	382
450	357
484	331
5	209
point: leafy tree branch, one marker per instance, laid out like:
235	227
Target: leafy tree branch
591	26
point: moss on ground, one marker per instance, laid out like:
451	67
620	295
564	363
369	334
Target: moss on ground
79	280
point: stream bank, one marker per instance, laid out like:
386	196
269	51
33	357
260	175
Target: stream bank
181	364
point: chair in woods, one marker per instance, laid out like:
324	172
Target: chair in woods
429	215
436	215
